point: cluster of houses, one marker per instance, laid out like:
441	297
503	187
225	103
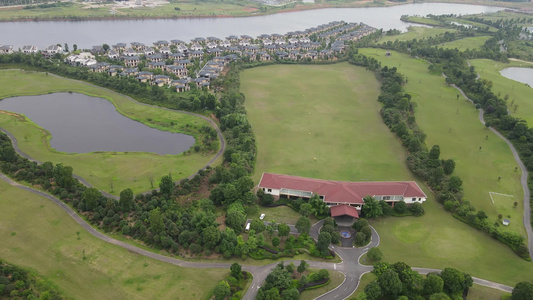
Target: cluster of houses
168	63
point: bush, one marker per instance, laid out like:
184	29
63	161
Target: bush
360	239
416	209
374	254
400	207
360	224
275	241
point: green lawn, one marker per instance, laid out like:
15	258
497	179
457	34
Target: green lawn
519	94
321	122
37	234
479	292
466	43
415	32
423	20
460	135
366	279
336	279
279	214
124	170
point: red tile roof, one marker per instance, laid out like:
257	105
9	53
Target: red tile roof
342	191
343	210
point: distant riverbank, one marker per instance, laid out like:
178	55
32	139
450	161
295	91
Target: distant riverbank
67	11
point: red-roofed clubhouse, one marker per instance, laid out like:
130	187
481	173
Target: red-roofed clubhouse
343	197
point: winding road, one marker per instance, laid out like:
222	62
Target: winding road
523	178
350	266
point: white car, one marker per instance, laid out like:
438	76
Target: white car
262	216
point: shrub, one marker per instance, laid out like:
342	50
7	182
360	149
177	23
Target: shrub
400	207
416	209
374	254
360	239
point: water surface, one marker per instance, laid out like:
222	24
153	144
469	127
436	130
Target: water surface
89	33
83	124
524	75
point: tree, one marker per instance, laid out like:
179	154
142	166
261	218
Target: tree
236	270
235	220
324	239
105	47
371	208
433	284
454	281
390	283
373	290
91	197
257	225
320	208
302	266
66	48
360	239
455	184
126	200
283	230
400	207
270	229
434	153
522	291
303	281
275	241
222	290
303	225
416	209
156	221
306	209
167	185
210	237
290	294
439	296
75	47
374	254
449	166
360	224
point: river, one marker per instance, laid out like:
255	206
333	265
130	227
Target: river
89	33
83	124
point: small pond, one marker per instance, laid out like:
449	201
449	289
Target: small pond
83	124
524	75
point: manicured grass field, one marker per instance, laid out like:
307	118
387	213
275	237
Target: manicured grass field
479	292
336	279
519	94
505	206
416	32
37	234
321	122
481	157
124	170
279	214
466	43
437	240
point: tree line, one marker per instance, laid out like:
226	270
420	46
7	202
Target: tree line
398	114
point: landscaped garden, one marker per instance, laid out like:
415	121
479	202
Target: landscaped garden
108	171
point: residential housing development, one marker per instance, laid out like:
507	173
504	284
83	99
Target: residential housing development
343	197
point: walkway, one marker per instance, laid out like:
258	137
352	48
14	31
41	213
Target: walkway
523	178
350	266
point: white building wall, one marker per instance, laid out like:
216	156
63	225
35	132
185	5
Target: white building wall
409	200
273	192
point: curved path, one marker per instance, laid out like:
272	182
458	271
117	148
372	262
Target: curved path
85	182
523	178
350	266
